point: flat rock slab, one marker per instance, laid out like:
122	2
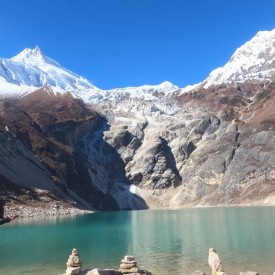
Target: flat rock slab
72	270
249	273
103	272
198	272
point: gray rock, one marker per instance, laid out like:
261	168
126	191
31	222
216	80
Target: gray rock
198	272
249	273
103	272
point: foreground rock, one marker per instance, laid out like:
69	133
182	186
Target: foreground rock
198	272
128	266
103	272
74	264
215	262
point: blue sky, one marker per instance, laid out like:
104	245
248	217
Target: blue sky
118	43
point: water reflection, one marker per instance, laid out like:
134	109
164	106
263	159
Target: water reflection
163	241
180	239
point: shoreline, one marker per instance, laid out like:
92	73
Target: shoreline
59	209
44	211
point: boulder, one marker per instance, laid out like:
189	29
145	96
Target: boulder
215	262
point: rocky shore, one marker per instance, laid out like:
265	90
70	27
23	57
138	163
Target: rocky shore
43	210
55	208
128	266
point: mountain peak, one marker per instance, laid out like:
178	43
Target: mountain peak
167	85
29	53
255	60
32	68
33	57
37	51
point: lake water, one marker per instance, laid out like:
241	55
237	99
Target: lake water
165	242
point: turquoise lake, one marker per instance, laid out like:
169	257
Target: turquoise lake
165	242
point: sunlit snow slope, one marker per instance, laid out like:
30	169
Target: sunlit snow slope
255	60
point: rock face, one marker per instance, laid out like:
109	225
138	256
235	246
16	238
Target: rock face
213	146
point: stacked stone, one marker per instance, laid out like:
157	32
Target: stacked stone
128	265
74	264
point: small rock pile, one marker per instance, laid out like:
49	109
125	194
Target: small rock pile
74	264
128	265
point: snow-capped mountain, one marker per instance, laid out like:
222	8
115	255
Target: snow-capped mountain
255	60
32	68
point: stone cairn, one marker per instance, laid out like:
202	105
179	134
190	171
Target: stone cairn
73	264
215	262
128	265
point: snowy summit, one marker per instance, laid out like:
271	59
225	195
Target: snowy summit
32	68
255	60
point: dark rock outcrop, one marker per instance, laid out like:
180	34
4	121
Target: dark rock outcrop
54	144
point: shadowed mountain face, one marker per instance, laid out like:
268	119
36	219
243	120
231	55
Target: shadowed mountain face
53	146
